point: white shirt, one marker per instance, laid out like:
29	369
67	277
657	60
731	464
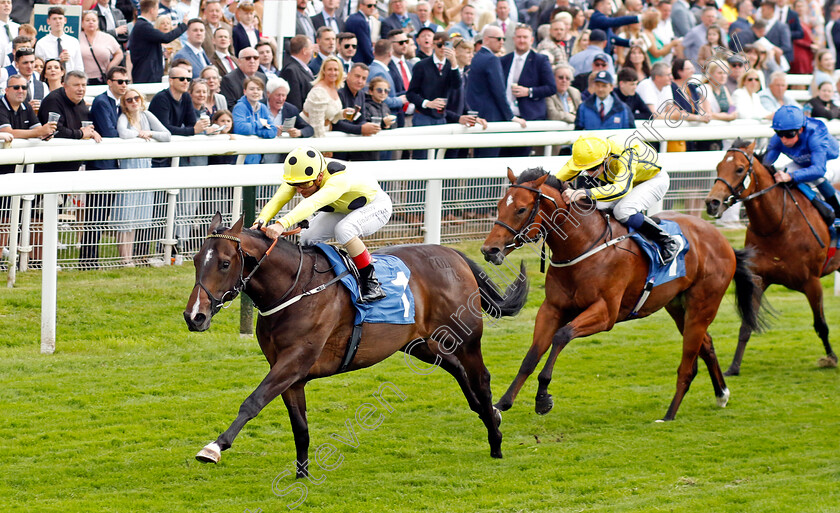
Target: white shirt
5	42
649	93
518	60
224	58
47	48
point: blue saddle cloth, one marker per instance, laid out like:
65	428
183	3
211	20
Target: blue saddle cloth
398	305
659	274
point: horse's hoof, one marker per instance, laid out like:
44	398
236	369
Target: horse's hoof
544	404
497	416
503	405
827	362
723	399
211	453
732	371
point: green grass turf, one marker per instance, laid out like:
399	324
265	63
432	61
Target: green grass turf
111	422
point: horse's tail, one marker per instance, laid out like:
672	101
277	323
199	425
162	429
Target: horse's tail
494	302
748	293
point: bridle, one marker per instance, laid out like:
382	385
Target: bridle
217	304
520	237
743	185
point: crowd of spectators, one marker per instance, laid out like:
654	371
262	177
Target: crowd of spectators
363	66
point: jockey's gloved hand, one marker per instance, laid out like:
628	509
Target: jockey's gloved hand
258	225
304	225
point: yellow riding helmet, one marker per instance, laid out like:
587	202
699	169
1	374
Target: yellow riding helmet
303	164
588	152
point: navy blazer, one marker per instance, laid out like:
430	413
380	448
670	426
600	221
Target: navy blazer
357	23
427	83
104	114
390	23
146	50
796	30
118	15
319	21
315	63
240	38
486	87
195	59
601	21
300	82
456	106
536	74
305	128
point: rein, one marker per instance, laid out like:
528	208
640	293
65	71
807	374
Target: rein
592	249
520	237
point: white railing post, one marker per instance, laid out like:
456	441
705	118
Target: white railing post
434	205
14	221
25	247
836	283
236	208
49	268
169	240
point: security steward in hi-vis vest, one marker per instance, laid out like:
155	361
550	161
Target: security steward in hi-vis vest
627	183
347	205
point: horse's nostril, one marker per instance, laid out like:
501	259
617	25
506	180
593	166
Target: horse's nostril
199	319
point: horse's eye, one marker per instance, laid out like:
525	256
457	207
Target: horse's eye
521	211
740	169
225	264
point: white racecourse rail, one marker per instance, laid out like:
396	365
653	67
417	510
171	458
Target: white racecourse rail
543	133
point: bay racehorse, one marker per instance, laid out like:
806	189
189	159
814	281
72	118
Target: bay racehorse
789	238
308	339
597	277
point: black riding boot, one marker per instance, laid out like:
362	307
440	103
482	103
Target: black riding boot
668	247
834	204
371	291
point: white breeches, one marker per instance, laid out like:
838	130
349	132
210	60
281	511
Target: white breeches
343	227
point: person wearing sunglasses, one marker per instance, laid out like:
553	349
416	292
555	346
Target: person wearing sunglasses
813	150
627	180
746	97
346	49
359	23
347	205
16	117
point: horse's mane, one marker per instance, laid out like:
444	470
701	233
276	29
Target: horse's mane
759	155
531	174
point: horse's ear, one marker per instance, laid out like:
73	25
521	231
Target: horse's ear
511	176
541	180
236	229
217	220
751	148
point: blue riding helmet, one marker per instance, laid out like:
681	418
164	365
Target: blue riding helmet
788	118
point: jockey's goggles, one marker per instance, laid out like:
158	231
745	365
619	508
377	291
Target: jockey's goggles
787	134
303	185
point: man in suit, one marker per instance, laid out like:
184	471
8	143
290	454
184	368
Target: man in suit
564	104
221	57
346	49
109	21
529	82
422	18
380	68
359	24
400	70
353	95
602	110
249	66
329	17
192	50
398	20
456	110
213	21
145	44
303	24
35	89
789	16
296	72
682	18
582	61
742	24
432	81
602	20
104	113
18	43
696	37
486	85
325	47
504	22
777	32
245	34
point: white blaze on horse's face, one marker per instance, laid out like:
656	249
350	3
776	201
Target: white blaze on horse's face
730	158
509	200
196	306
208	256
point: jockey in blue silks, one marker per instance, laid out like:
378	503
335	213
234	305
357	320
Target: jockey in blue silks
811	148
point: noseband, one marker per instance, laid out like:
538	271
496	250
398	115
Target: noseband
217	304
743	185
520	237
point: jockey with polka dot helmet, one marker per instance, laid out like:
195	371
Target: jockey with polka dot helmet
346	205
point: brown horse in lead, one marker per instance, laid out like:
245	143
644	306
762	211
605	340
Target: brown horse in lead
789	239
597	278
308	339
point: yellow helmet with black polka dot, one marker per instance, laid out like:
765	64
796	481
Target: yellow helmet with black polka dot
303	165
